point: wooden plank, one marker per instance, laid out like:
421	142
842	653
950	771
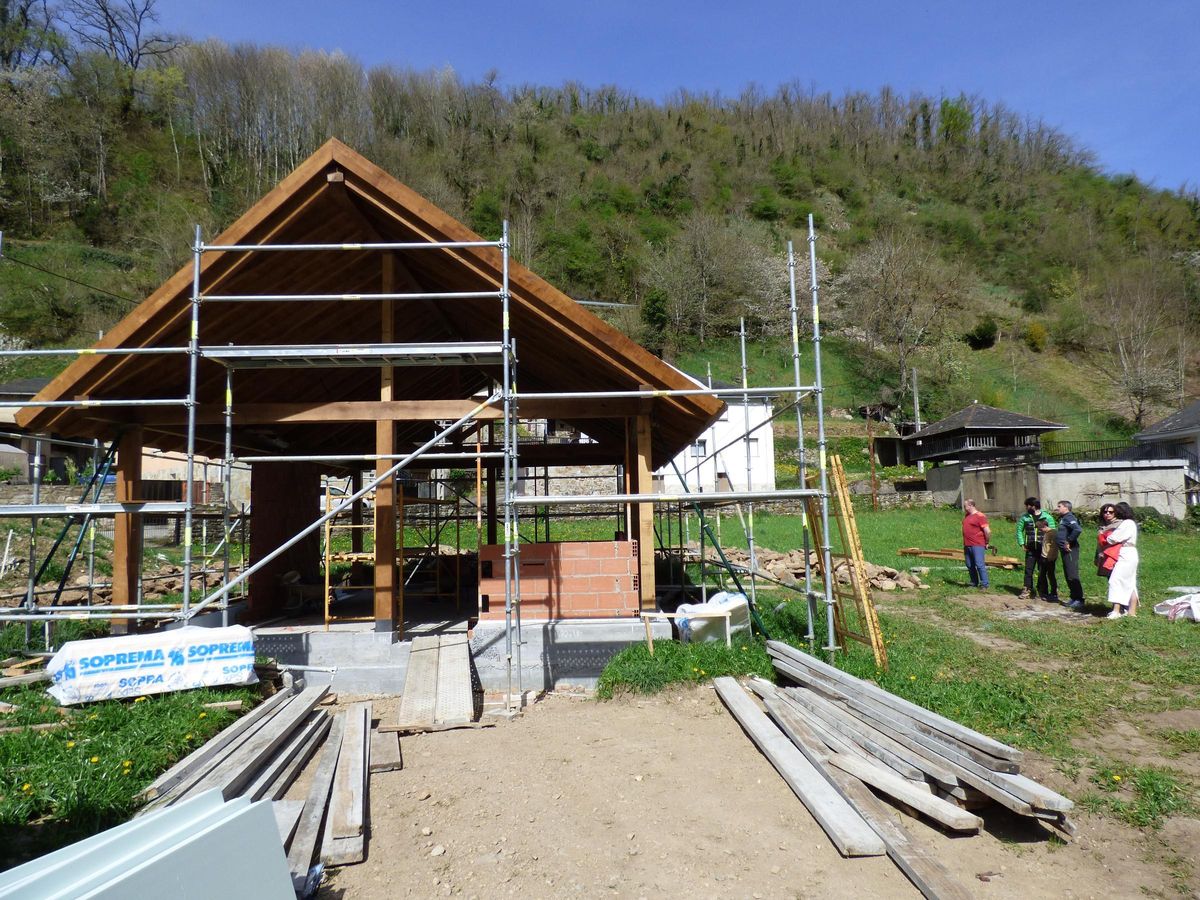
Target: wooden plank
873	741
344	851
6	708
317	722
45	726
346	806
304	841
195	762
31	678
835	741
921	714
873	774
643	445
1019	786
455	703
236	770
926	873
278	788
961	773
420	683
845	828
231	705
385	752
287	817
431	729
19	668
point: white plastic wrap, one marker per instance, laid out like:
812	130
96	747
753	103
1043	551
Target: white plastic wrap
136	664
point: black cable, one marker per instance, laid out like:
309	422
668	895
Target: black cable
84	284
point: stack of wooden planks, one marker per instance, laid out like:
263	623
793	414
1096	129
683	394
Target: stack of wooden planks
260	756
842	743
26	669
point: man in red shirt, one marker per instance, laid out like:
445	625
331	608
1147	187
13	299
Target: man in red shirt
976	536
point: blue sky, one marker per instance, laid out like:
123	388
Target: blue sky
1122	79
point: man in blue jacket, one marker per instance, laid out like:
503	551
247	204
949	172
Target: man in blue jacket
1031	531
1067	538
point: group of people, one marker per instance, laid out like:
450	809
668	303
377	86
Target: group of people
1045	541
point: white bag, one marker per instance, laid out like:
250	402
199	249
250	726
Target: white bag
158	663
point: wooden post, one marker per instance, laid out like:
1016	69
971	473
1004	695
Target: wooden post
387	604
645	514
356	514
127	529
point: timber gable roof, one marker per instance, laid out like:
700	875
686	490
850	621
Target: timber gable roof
339	197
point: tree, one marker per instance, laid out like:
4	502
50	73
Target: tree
1140	330
27	34
898	295
121	32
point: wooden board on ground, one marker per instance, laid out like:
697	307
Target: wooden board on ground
419	698
455	704
189	769
304	841
316	723
277	789
900	789
845	828
437	685
31	678
920	713
998	562
385	752
287	817
351	821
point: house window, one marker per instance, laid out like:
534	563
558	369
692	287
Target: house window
700	449
989	490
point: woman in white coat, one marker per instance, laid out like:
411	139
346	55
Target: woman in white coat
1122	584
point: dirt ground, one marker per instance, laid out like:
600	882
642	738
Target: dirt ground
666	797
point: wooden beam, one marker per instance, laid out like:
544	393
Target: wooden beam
127	529
645	513
389	614
396	410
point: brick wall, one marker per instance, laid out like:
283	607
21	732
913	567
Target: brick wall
574	580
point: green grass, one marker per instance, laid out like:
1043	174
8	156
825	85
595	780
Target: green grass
1180	741
58	786
635	670
1141	796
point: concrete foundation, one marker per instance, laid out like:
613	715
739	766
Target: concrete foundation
555	653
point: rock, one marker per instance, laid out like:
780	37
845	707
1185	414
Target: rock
439	850
887	584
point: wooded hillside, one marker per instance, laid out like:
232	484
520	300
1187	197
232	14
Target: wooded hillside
946	224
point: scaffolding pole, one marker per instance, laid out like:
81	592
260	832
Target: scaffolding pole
802	462
749	464
826	550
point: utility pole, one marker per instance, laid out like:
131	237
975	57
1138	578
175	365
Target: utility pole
917	415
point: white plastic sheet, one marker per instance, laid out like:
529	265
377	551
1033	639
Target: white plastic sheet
158	663
1185	607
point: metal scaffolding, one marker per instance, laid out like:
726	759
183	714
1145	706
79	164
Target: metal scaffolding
506	397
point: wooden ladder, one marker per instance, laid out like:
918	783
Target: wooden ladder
857	594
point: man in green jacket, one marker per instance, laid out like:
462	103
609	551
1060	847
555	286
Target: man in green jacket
1031	530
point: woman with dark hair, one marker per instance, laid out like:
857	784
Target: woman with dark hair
1118	529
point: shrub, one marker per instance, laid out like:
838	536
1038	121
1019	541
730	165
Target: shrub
1151	521
982	335
1035	336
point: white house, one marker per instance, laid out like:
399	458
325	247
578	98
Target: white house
716	461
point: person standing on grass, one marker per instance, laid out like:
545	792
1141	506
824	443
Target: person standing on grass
1031	534
976	535
1120	529
1067	538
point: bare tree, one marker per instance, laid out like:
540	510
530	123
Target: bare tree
1138	314
122	32
898	295
27	33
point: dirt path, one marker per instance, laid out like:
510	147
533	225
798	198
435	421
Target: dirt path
666	797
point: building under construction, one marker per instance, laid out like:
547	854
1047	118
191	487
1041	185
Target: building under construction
345	325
